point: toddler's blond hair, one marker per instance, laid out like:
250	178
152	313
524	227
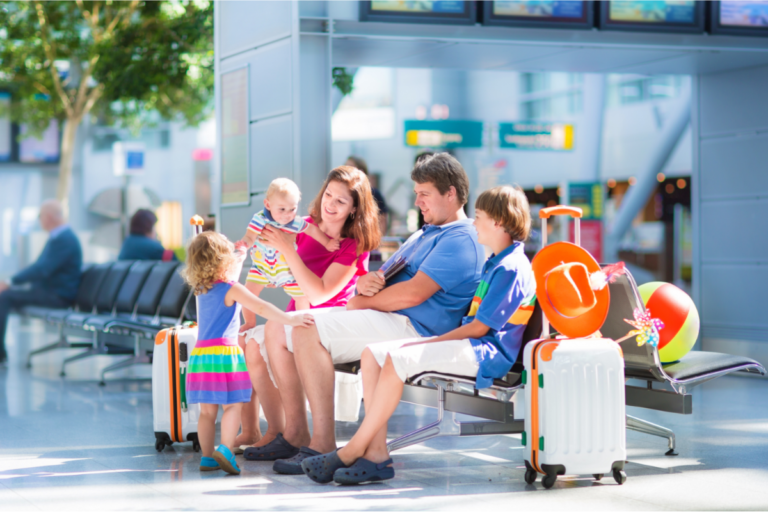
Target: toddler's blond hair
284	187
209	256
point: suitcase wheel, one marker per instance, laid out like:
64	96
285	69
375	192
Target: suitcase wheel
159	445
619	476
598	476
196	446
548	481
530	476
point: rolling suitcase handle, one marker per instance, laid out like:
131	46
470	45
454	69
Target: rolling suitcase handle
573	211
544	214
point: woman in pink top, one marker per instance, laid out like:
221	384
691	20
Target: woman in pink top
344	209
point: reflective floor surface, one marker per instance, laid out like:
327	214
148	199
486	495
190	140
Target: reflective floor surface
68	444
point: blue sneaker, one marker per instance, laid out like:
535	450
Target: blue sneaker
209	464
226	460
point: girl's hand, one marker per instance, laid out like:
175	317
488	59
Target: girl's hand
281	241
302	320
332	245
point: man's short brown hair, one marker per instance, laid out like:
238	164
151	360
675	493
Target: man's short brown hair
444	172
508	206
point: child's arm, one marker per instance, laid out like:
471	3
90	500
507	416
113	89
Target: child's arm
247	241
239	293
315	232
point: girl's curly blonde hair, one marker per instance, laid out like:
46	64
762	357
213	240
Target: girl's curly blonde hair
209	257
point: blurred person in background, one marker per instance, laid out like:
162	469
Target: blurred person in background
53	278
356	161
142	243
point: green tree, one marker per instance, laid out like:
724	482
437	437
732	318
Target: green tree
124	62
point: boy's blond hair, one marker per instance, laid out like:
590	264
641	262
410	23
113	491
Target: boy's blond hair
284	187
508	206
209	256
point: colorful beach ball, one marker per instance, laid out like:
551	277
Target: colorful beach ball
676	309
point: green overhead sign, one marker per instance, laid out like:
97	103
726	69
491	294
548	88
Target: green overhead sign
444	134
541	136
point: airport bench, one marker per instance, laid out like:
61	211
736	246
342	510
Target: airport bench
453	394
118	310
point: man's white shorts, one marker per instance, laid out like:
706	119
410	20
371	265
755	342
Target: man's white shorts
345	334
456	357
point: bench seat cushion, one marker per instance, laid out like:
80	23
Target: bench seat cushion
57	316
40	311
77	319
699	364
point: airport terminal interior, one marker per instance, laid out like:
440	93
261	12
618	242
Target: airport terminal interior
650	117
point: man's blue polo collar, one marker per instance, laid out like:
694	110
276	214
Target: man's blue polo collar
426	228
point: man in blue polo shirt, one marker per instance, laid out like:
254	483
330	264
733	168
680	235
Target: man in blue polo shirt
428	297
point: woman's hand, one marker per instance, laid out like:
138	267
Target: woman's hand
283	242
302	320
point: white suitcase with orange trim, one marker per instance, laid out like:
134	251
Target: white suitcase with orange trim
574	399
175	421
575	418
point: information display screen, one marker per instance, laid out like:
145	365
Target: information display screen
419	11
653	16
5	127
539	13
739	18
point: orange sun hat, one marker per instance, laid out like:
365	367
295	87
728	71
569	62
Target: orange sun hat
566	290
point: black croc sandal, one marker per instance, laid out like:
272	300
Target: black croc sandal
364	470
321	468
292	466
276	449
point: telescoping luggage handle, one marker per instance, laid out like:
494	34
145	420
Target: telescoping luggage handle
544	214
573	211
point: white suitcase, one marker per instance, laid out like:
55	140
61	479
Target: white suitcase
175	421
575	410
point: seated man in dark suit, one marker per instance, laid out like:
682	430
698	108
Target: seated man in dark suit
54	277
141	244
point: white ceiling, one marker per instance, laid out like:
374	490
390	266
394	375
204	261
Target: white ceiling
487	48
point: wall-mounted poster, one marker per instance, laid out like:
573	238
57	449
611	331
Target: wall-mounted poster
419	11
539	13
235	187
5	127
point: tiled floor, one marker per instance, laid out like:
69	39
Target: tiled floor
70	444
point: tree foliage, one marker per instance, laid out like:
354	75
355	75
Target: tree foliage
126	62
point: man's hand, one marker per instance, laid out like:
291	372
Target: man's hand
371	283
3	286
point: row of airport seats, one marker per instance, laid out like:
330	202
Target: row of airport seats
119	309
649	383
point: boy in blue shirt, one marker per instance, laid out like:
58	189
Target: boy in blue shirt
485	346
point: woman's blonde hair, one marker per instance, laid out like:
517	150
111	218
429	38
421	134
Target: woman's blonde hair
209	256
508	206
363	225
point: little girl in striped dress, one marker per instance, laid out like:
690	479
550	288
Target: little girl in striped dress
216	374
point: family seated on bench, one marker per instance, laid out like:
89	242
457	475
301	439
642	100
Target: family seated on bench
410	323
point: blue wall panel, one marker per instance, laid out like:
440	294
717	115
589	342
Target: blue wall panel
734	166
246	25
271	151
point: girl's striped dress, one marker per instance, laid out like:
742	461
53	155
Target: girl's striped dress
216	373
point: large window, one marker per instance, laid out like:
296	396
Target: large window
551	96
628	89
367	113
